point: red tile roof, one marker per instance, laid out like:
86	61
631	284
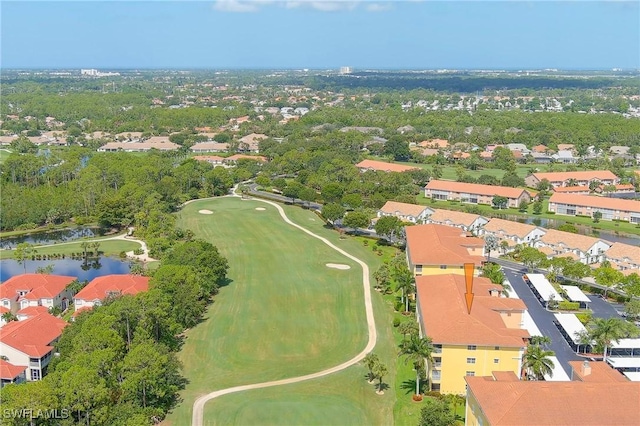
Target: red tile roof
41	285
579	175
237	157
33	335
383	166
209	158
32	311
441	245
99	288
541	403
598	202
443	296
454	217
405	209
600	372
475	188
570	189
9	371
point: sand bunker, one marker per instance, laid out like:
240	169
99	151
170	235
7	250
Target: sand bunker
260	208
338	266
205	212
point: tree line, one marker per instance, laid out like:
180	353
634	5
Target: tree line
117	362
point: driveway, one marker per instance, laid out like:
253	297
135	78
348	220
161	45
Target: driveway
542	317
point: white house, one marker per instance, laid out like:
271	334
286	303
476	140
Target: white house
583	248
22	291
30	343
405	212
466	221
513	232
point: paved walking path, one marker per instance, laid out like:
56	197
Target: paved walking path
198	405
143	257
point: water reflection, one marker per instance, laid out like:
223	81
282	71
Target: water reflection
584	230
83	269
50	237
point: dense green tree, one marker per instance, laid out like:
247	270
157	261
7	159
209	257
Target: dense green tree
332	211
608	277
356	219
388	226
532	258
436	413
499	202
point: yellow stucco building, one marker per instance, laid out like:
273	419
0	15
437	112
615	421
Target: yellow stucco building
490	338
440	249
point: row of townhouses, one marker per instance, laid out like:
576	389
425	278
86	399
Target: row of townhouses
583	248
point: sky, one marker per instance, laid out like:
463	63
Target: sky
266	34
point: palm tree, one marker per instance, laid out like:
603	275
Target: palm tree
408	327
95	246
584	339
536	362
405	283
379	371
370	361
605	331
540	340
382	276
418	350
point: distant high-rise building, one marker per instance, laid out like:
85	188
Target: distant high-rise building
346	70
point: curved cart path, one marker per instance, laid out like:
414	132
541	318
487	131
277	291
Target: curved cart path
198	406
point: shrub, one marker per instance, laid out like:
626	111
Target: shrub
584	317
417	398
396	322
565	305
123	255
434	394
138	251
550	212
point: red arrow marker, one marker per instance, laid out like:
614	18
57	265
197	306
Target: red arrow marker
468	278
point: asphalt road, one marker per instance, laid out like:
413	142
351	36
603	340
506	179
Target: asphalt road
542	317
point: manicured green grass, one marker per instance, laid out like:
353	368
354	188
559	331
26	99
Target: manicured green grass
108	247
4	154
449	170
284	314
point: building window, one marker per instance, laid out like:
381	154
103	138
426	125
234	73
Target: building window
471	373
471	347
79	302
443	266
497	348
35	374
496	361
471	360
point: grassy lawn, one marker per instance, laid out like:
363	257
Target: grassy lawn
4	154
284	314
109	248
449	170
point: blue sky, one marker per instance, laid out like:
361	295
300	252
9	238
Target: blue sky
311	34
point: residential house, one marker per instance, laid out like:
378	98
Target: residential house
10	373
465	221
251	143
210	147
105	286
624	257
566	147
581	178
156	142
583	190
211	159
587	250
31	311
31	342
368	130
129	136
405	212
474	193
564	157
434	144
513	232
519	147
597	395
488	337
25	290
382	166
585	205
439	249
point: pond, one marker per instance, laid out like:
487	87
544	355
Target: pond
611	236
70	267
50	237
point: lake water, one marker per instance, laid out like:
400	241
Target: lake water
584	230
50	237
75	268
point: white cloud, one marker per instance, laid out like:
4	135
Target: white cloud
379	7
236	6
